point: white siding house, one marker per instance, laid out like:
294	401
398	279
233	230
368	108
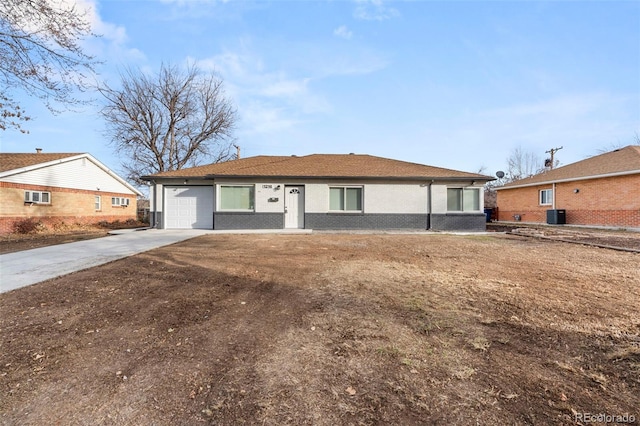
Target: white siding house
318	192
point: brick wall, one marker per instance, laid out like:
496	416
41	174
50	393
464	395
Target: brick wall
66	205
613	201
365	221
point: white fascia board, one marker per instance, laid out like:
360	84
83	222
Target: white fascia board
38	166
111	173
67	159
549	182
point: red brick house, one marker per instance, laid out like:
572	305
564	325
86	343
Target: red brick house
603	190
61	188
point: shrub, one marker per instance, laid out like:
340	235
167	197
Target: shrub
28	226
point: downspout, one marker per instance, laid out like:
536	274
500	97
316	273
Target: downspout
429	216
155	205
553	197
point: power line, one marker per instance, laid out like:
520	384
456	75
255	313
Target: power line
551	162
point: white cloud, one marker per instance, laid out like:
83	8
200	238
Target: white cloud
286	88
268	101
111	45
374	10
351	63
343	32
258	117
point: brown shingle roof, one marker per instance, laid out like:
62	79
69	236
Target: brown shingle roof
320	166
18	161
619	161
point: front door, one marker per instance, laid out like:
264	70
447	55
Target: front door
294	207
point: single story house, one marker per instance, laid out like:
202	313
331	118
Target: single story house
603	190
320	191
61	188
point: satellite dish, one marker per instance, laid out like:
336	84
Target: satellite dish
500	174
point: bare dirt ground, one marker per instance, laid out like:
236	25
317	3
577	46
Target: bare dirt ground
598	237
10	243
329	329
17	242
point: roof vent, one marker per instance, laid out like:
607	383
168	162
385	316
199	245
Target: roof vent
294	155
38	150
351	153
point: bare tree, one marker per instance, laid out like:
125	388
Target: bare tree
175	119
40	54
616	145
521	164
610	147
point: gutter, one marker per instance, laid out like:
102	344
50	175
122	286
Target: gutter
552	181
478	178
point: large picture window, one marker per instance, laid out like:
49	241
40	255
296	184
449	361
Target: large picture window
546	197
463	199
345	198
237	197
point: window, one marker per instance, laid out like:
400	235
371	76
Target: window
345	198
463	199
37	197
237	197
98	203
546	197
119	202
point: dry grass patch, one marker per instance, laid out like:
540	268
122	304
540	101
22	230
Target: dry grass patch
328	329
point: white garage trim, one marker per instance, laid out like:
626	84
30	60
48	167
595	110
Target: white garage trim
188	207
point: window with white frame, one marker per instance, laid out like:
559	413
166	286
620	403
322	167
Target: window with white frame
97	203
463	199
37	197
345	198
546	197
119	202
237	197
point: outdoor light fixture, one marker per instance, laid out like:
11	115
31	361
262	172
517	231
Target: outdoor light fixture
575	191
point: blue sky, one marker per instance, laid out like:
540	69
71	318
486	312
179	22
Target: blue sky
456	84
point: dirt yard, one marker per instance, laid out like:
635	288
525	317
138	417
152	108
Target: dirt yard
61	234
329	329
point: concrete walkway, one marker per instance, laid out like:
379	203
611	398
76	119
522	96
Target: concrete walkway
28	267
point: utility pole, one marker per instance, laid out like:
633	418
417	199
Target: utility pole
551	162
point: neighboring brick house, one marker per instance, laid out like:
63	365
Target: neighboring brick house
320	191
61	188
603	190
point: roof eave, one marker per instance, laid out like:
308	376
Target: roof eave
39	165
574	179
67	159
112	173
394	178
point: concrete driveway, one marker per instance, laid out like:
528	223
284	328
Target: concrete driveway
33	266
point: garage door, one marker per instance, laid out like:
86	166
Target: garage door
189	207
